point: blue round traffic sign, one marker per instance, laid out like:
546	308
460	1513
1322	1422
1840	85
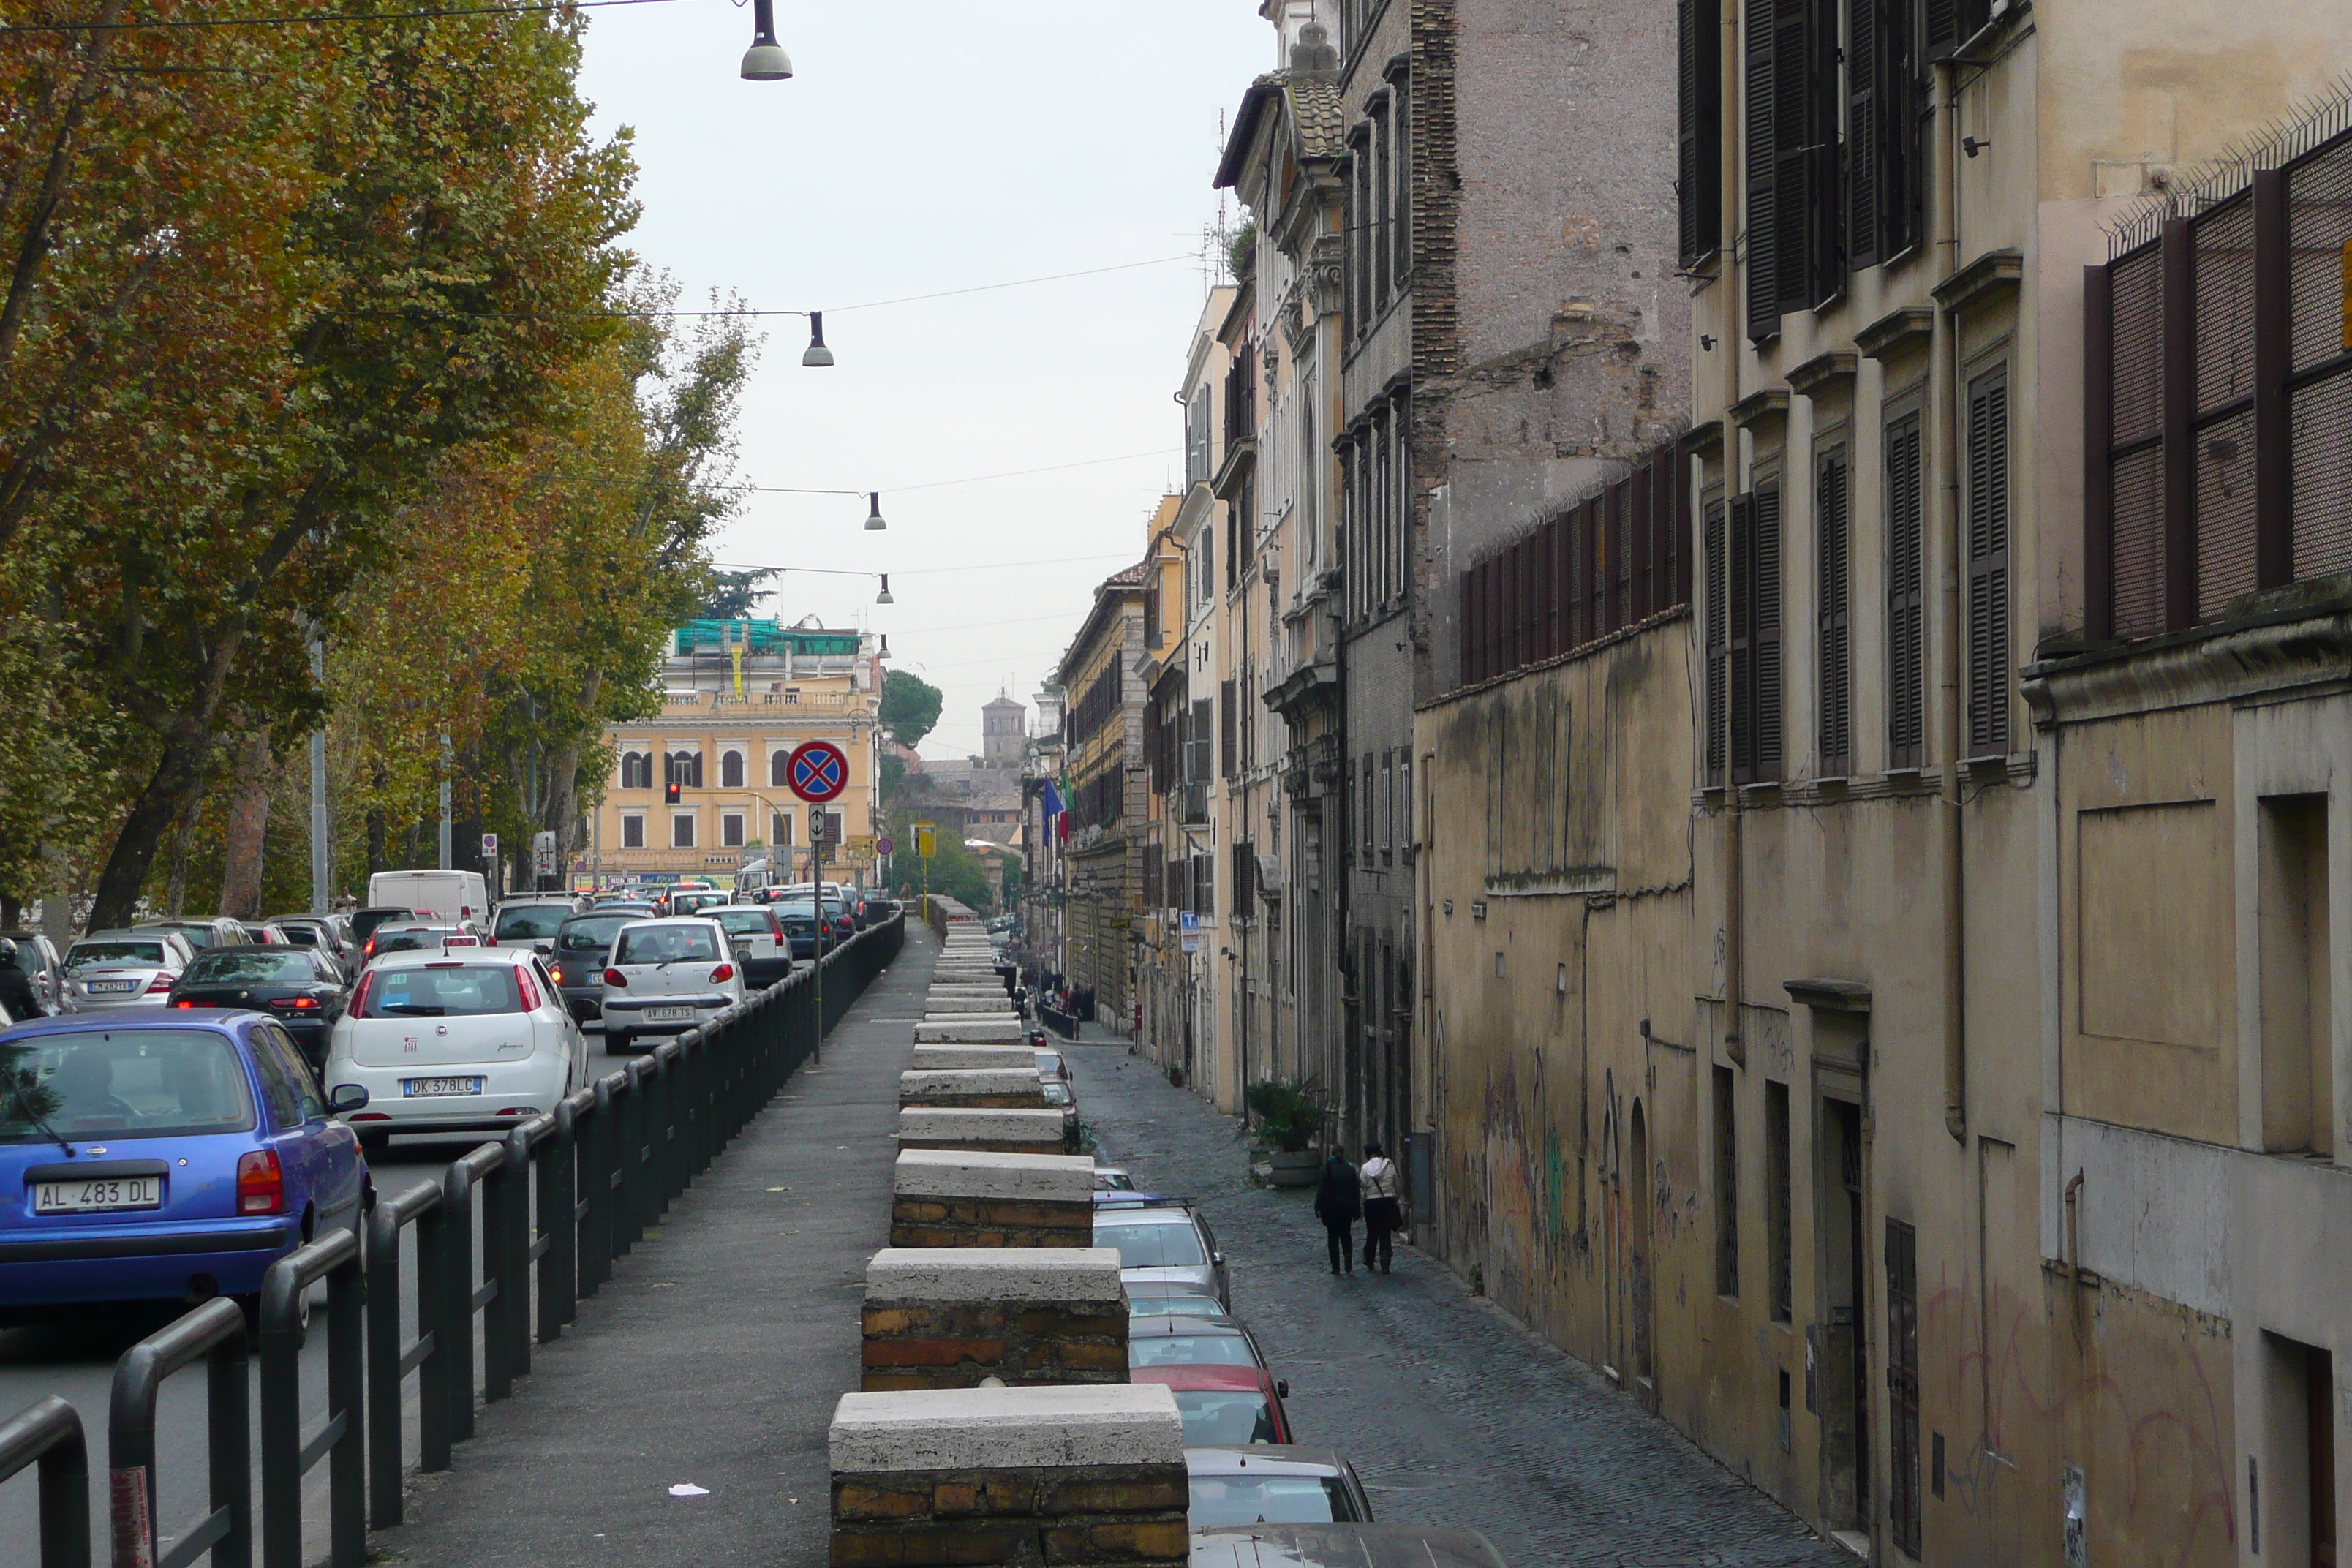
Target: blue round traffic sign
817	770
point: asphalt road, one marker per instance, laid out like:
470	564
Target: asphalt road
77	1360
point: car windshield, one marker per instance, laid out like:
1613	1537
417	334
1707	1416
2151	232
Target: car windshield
531	922
1270	1499
800	911
665	944
244	964
744	922
1049	1061
197	937
85	953
365	921
591	935
1166	1244
1222	1418
1174	1307
300	935
443	991
1056	1091
416	939
124	1083
1190	1349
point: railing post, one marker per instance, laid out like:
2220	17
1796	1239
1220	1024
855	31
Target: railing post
515	1272
47	1434
499	1193
669	1178
559	1222
602	1170
215	1332
457	1349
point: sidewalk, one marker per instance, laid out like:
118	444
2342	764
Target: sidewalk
716	1354
1453	1413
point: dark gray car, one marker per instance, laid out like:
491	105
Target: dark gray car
577	963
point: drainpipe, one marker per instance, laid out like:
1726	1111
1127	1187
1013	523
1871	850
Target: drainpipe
1735	1045
1943	400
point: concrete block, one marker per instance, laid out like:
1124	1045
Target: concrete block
1071	1276
1028	1178
993	1088
1005	1429
988	1029
1008	1131
973	1059
938	1006
960	1197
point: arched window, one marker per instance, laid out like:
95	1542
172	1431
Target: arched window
686	769
778	765
637	769
731	770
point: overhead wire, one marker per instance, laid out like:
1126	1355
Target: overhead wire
521	8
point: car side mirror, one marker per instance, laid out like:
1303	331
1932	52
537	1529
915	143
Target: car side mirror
1281	1388
544	949
1218	1258
349	1097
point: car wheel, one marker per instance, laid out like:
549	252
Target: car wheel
615	1044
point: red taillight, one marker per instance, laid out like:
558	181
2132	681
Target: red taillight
260	1185
299	1004
368	951
529	992
160	986
555	973
776	926
615	977
722	974
370	1115
358	1008
184	1004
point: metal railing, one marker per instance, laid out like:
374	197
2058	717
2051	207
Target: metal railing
561	1198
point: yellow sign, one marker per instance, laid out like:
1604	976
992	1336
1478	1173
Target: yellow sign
926	839
859	847
737	652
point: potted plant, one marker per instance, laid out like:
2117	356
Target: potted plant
1289	1116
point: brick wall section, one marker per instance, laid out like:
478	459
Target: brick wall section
989	1090
954	1344
1079	1514
919	1221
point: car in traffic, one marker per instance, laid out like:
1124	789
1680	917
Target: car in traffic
798	917
43	965
1263	1484
124	969
322	932
199	934
443	895
1164	1245
418	936
470	1040
298	986
531	922
1223	1405
758	938
363	922
694	900
667	976
1276	1545
161	1157
577	965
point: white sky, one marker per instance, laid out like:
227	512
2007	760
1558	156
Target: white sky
926	146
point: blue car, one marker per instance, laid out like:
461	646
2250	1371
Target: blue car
161	1157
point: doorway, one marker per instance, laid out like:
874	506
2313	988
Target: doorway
1838	1351
2295	1490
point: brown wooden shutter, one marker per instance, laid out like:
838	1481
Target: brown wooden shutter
1739	639
1765	623
1151	748
1718	647
1824	153
1763	166
1906	697
1906	110
1699	128
1988	609
1795	42
1863	169
1834	633
1225	728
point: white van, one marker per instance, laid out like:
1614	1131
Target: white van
445	895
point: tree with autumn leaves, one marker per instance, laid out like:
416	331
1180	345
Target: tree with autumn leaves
322	332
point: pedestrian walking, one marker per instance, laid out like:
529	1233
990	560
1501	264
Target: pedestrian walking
1336	1200
1382	1214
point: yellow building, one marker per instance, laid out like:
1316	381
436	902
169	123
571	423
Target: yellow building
738	697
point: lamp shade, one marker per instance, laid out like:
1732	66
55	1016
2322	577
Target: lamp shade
884	597
765	61
874	523
818	355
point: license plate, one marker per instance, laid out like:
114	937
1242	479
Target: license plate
99	1197
111	987
669	1015
423	1087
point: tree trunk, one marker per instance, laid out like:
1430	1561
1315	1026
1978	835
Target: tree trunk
169	790
377	859
249	829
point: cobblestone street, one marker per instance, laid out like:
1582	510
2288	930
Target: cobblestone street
1452	1412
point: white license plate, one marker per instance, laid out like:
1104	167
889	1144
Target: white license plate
423	1087
112	987
669	1015
98	1196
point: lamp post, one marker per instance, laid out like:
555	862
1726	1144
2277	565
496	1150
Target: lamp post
765	61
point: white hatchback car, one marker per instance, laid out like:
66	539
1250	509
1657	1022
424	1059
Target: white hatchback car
667	976
466	1040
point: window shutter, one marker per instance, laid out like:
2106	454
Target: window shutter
1796	167
1989	565
1719	653
1905	110
1764	622
1699	168
1152	752
1199	767
1951	23
1763	205
1740	640
1907	701
1226	736
1863	169
1835	632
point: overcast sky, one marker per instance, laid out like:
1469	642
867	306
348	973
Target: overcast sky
927	146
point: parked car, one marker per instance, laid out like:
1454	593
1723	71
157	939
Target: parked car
1342	1546
43	965
1112	1179
298	986
169	1157
124	969
199	934
1223	1405
467	1041
577	963
1262	1484
1181	1339
1061	1097
531	922
667	977
364	922
1177	1306
1165	1244
1051	1064
758	938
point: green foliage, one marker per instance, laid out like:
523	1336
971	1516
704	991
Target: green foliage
954	870
1289	1114
734	596
910	707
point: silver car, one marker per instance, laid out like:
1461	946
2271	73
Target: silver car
124	969
1272	1545
200	934
37	957
1165	1244
1274	1483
